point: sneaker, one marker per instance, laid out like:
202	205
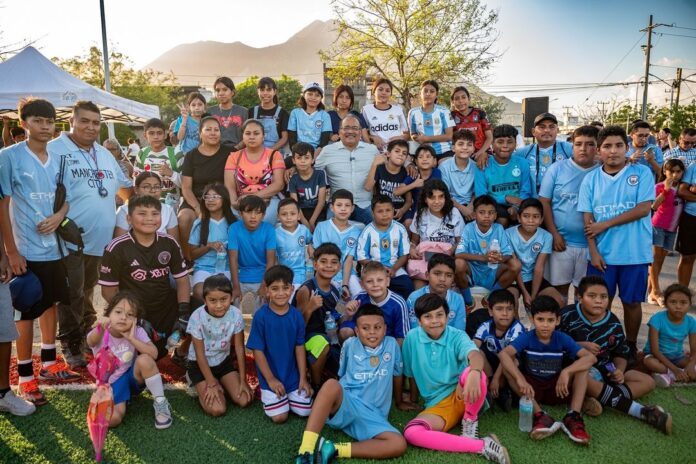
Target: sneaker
470	428
326	452
658	418
15	405
306	458
73	355
190	387
592	407
543	426
29	391
58	373
494	451
662	380
248	303
163	413
574	427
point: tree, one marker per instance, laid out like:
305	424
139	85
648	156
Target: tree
410	41
289	91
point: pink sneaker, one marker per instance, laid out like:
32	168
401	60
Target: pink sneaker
663	380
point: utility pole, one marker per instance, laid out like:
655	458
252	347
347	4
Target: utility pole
677	84
603	113
644	112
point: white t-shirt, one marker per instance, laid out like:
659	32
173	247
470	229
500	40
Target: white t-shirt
168	218
385	123
434	229
133	149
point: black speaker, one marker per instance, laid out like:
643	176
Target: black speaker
531	108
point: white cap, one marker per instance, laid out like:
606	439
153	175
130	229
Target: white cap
313	86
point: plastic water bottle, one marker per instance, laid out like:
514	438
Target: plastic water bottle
47	240
331	331
221	260
526	412
309	268
495	246
173	340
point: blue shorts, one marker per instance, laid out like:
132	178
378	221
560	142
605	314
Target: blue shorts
126	386
359	420
632	280
482	276
664	239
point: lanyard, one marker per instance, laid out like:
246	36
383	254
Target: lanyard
553	160
103	192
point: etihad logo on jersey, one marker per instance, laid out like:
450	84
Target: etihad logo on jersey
614	209
381	127
371	375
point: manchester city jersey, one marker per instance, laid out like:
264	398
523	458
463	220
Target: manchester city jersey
291	248
346	240
528	251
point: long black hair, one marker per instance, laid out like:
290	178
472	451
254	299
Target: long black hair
428	188
221	190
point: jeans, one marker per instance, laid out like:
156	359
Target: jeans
77	318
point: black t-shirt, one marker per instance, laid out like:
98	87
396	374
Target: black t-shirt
204	169
386	183
145	271
315	324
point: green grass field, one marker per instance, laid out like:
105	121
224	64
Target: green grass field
58	433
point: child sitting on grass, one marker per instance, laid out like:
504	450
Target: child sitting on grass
215	329
137	368
445	366
277	340
359	403
668	329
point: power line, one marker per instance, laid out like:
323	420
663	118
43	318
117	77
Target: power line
617	65
682	27
676	35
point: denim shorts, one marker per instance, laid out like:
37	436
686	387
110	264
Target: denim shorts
663	238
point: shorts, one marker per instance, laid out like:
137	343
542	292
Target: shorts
314	346
200	276
501	211
361	420
225	367
8	330
664	239
450	409
686	240
676	359
632	280
566	267
528	285
126	386
354	286
54	283
482	276
545	390
295	401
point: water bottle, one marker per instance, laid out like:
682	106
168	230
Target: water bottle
173	340
526	412
47	240
330	326
171	200
221	260
309	268
495	246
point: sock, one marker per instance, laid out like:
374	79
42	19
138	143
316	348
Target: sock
418	433
468	298
154	384
343	450
309	441
48	354
25	370
618	397
471	410
635	409
3	391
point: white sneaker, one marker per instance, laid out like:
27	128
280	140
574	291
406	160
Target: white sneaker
662	380
15	405
163	413
494	451
470	428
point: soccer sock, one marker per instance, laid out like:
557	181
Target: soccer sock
309	441
471	410
343	450
25	370
616	396
418	433
635	410
154	384
48	354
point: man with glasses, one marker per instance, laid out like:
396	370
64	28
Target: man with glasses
686	148
347	163
642	151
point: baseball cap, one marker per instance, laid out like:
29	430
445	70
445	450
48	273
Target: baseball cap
545	117
313	86
26	291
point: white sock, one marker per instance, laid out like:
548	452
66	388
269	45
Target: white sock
635	409
154	384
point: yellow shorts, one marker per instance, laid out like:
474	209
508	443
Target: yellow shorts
450	409
316	345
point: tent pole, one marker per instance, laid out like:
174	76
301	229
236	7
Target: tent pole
107	77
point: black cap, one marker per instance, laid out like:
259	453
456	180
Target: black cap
545	117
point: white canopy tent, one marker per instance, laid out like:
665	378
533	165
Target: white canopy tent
29	73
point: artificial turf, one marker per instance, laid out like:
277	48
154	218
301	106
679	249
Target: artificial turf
58	433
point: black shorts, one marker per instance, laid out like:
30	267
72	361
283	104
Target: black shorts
307	212
225	367
502	211
686	240
528	285
54	285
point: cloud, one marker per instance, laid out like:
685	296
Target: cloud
664	61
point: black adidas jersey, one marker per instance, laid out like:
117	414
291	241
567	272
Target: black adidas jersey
145	271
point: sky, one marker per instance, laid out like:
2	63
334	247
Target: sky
541	42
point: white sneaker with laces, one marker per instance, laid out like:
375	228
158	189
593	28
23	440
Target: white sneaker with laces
494	451
15	405
470	428
163	413
662	380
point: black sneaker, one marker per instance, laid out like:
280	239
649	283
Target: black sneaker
658	418
72	353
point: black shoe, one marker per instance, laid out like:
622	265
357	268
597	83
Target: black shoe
658	418
505	399
72	353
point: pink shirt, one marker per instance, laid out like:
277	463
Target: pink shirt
667	215
123	350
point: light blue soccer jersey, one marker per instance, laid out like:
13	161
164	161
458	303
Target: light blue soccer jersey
690	178
32	186
309	126
541	159
456	316
462	182
368	373
384	246
657	151
608	196
527	251
217	232
346	240
511	178
89	174
435	123
561	184
291	249
476	242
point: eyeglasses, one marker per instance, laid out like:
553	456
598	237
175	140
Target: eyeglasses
351	128
150	188
212	197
